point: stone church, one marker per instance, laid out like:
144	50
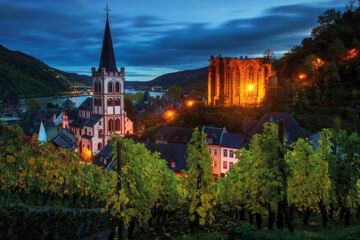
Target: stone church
238	81
103	113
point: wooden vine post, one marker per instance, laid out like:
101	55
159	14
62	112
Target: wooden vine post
120	222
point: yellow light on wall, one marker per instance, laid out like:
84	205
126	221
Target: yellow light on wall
190	103
250	87
88	152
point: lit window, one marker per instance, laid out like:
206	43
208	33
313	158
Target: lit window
225	165
231	164
215	164
215	152
210	151
231	154
173	164
225	153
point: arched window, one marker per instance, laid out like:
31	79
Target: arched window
111	125
251	74
99	146
95	87
117	87
117	124
99	87
110	87
95	101
99	102
117	102
110	102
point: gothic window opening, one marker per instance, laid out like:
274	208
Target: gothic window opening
117	124
110	102
117	87
99	146
95	101
237	82
117	102
110	87
96	87
251	75
99	87
111	125
99	102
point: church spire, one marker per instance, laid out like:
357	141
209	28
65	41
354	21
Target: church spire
107	59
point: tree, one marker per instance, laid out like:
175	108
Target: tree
309	182
33	104
269	54
174	92
345	171
200	184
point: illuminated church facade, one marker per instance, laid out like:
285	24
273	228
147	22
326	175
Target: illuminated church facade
239	81
103	114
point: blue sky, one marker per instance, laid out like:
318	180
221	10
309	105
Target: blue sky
153	37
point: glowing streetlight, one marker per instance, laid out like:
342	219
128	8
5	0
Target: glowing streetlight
302	76
250	87
190	103
169	114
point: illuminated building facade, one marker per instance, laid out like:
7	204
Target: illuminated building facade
103	114
238	81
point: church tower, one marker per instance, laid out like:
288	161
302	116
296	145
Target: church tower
109	88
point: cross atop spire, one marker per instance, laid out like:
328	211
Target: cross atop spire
107	10
107	59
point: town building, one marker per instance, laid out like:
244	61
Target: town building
103	114
231	145
292	128
10	102
239	81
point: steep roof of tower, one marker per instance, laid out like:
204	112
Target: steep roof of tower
107	59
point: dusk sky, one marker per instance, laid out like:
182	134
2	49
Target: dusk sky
153	37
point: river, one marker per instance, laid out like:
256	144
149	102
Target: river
78	100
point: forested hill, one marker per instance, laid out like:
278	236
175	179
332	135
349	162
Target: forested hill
320	79
30	77
189	80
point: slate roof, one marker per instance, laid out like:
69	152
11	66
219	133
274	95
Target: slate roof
79	123
87	136
214	133
171	152
107	59
174	134
233	140
292	128
63	141
87	104
168	152
72	114
92	120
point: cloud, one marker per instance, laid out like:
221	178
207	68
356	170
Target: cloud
67	38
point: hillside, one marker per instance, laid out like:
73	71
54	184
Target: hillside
320	79
30	77
189	80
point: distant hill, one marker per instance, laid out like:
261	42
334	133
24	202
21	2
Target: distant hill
30	77
189	80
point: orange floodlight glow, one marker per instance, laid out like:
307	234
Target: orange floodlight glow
302	76
190	103
351	54
88	152
250	87
169	114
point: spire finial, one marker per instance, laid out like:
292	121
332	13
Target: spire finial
107	10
